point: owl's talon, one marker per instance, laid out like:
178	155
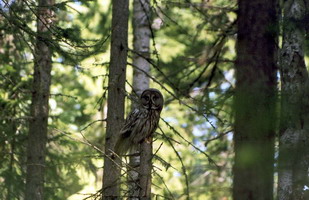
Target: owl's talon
148	140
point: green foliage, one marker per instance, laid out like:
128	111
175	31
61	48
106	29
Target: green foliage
66	157
14	103
192	66
197	64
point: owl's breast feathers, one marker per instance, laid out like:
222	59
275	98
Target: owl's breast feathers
139	125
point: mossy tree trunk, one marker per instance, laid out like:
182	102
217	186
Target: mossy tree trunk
294	124
255	97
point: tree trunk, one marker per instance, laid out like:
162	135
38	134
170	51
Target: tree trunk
116	97
140	177
39	107
9	180
293	141
255	98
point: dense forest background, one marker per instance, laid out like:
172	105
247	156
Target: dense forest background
235	121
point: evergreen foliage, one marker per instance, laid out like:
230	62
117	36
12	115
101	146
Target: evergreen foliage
192	63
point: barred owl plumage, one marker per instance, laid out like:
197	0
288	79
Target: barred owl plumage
142	122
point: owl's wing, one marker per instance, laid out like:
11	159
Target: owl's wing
124	143
130	122
147	126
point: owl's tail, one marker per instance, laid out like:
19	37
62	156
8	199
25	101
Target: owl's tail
123	145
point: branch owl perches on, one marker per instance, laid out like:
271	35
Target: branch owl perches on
142	122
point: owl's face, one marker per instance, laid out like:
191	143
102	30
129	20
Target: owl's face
152	99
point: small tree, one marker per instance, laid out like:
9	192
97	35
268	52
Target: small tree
39	107
116	97
140	176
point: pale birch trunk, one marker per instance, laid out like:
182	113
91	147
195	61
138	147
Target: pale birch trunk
39	107
294	134
116	97
140	177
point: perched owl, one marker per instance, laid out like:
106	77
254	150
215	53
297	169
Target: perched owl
142	122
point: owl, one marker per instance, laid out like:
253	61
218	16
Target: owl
142	122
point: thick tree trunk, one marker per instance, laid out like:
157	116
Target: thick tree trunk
254	101
39	108
294	134
140	178
116	97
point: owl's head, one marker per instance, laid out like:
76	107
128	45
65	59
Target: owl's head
152	99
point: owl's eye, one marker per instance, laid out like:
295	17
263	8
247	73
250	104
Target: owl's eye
146	98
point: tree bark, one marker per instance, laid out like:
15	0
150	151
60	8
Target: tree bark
255	97
293	138
39	107
116	97
140	177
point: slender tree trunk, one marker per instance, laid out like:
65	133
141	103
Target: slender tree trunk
39	108
8	181
255	99
294	132
116	97
140	177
